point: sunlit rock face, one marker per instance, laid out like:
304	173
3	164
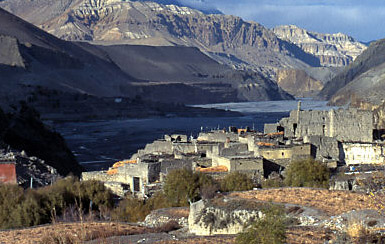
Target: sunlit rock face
332	49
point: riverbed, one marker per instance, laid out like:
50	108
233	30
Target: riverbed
98	144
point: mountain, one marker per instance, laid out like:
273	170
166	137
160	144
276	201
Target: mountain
227	39
306	82
333	50
31	57
200	5
360	82
34	63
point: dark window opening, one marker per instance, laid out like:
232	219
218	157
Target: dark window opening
295	128
136	183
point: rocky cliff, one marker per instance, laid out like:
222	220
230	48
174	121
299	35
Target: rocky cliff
298	83
23	130
333	50
361	82
117	21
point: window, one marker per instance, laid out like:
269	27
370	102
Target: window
136	182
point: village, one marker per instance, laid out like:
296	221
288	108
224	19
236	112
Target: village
346	140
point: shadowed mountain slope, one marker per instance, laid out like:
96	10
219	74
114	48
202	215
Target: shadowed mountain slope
362	80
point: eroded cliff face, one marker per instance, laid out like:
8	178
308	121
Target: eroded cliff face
149	23
298	83
333	50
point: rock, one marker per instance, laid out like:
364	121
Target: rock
160	217
205	220
332	49
360	84
298	83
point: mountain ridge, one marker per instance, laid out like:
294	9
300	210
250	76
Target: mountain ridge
149	23
333	50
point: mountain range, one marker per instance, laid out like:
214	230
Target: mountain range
277	54
33	61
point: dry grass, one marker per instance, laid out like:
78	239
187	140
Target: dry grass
296	235
331	202
180	212
73	231
356	229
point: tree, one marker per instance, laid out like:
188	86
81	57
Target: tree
307	173
236	181
183	186
270	229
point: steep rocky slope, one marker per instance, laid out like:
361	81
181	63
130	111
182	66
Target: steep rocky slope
117	21
23	130
360	81
31	59
307	82
332	49
298	83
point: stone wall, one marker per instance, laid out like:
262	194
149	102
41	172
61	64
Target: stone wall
185	148
158	147
100	176
270	128
234	149
252	164
363	153
169	165
284	152
325	147
344	125
217	136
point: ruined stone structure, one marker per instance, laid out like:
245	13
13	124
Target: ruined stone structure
350	125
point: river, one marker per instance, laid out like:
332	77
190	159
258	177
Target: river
98	144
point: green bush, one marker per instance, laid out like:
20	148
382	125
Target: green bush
271	229
131	209
21	208
236	181
307	173
272	183
183	185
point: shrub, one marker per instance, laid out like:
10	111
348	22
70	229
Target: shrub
20	208
271	229
307	173
183	186
131	209
236	181
272	183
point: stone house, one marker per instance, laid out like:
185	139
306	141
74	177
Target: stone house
283	155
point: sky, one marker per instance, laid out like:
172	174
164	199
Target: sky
362	19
